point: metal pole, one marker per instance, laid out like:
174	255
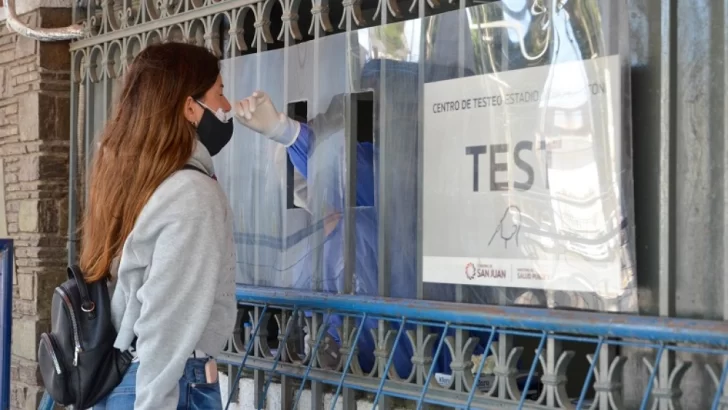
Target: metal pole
72	32
6	320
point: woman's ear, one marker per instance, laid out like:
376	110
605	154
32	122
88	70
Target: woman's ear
192	111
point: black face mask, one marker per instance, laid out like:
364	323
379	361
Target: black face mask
213	133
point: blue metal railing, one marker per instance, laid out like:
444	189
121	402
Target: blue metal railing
6	318
664	335
601	331
546	320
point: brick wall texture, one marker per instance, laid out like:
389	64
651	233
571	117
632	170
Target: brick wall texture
34	138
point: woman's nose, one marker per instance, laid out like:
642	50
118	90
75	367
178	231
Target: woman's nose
226	105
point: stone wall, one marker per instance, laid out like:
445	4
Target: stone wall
34	130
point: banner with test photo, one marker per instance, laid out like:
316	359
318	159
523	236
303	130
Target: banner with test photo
522	179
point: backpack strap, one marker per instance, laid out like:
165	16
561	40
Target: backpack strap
87	305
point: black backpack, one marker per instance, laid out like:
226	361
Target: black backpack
78	361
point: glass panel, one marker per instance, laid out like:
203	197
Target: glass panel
477	156
248	173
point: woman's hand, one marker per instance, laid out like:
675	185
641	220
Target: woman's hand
258	113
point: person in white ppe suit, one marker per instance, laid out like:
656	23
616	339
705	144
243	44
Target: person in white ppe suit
298	141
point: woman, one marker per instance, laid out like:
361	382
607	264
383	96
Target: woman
159	227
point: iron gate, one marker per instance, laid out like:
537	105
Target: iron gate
581	359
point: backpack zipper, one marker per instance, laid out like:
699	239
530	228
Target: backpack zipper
76	339
52	352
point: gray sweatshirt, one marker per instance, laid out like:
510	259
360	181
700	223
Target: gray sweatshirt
175	284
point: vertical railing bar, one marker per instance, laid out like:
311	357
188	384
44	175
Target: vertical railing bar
384	281
314	352
421	11
281	346
419	180
74	11
89	103
524	393
459	289
648	390
390	360
432	366
230	381
382	191
476	379
90	11
351	108
719	389
317	276
106	90
230	91
251	342
595	359
348	362
381	175
72	158
260	47
666	171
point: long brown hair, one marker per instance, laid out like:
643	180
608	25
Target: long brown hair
144	142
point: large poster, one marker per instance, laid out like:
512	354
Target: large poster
521	184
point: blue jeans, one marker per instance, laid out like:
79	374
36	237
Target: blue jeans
194	392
